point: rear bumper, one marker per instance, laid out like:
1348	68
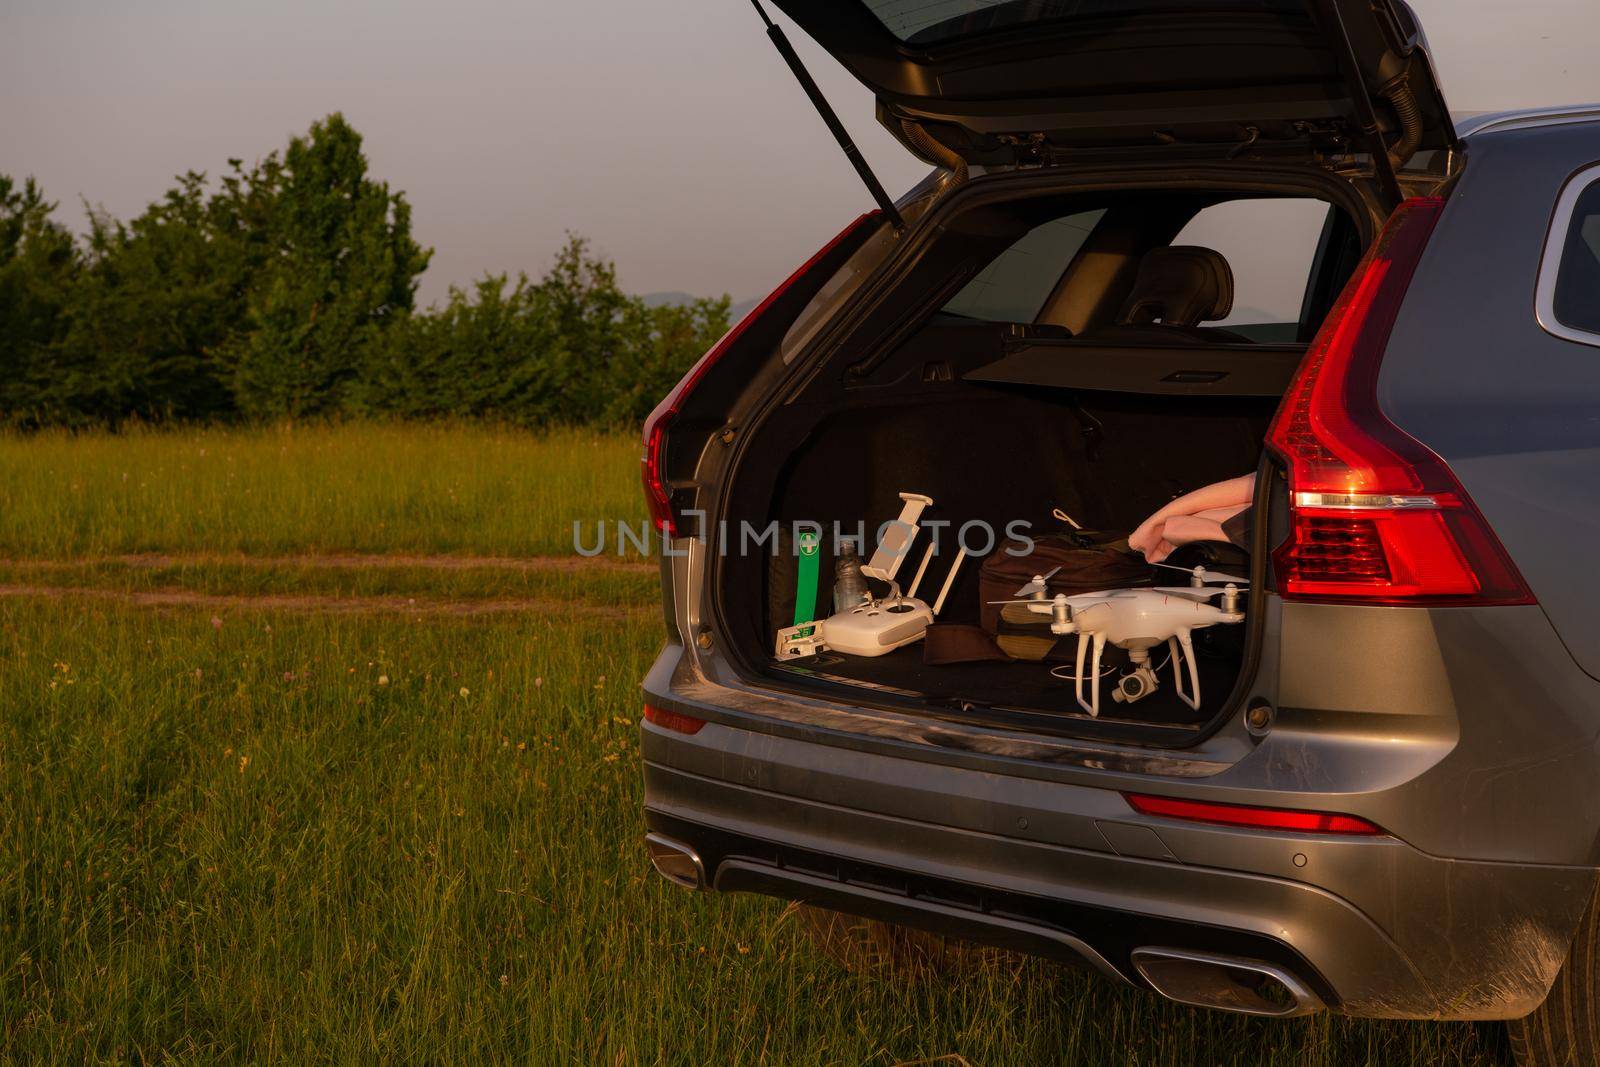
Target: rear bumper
1371	927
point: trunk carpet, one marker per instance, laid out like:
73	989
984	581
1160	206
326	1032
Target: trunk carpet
1017	684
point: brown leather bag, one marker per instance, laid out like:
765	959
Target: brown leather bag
1083	563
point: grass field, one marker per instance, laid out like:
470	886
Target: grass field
376	489
307	755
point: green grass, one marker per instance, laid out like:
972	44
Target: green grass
363	488
251	835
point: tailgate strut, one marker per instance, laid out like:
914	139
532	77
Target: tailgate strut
840	134
1366	116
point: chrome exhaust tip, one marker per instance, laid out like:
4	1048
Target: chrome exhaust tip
677	862
1248	987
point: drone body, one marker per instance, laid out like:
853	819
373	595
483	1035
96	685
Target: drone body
1137	620
1143	618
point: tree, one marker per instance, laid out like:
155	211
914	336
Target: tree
588	311
162	297
340	266
617	356
39	263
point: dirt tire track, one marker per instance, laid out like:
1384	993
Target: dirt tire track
336	605
347	560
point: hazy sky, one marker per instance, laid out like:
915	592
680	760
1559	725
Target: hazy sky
669	133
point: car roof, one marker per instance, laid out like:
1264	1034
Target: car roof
1471	124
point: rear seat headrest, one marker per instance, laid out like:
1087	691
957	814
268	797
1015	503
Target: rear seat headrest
1183	285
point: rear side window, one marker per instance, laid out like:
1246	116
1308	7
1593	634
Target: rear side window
1569	280
1015	284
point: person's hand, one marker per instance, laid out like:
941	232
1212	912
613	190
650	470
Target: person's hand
1163	549
1148	539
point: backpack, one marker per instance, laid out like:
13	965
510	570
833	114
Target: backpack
1083	561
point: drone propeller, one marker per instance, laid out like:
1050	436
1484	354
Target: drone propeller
1205	575
1076	599
1191	592
1039	584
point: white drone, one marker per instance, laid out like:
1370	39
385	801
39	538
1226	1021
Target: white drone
1138	620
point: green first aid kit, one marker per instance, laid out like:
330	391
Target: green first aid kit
797	592
805	591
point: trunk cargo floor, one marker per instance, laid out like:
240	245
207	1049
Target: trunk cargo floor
1016	684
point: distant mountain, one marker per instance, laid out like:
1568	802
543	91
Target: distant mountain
674	297
667	299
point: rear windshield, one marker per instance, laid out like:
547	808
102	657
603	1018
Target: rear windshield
932	21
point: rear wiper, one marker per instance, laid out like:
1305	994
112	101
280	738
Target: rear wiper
840	134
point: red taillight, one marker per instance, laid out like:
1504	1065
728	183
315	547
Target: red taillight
657	497
1299	822
1376	516
672	720
657	493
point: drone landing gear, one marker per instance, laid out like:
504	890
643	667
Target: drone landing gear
1092	705
1142	680
1181	642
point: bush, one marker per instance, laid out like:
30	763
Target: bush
571	349
664	342
496	356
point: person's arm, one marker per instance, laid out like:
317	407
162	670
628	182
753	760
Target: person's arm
1186	529
1150	538
1222	515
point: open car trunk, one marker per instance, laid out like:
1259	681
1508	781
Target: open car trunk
998	463
1008	426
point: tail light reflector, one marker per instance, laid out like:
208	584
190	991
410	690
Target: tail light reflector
657	490
1287	819
672	720
1376	516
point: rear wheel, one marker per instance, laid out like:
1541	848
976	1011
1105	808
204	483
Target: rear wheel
1565	1030
872	947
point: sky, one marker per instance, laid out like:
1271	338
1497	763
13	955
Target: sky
669	134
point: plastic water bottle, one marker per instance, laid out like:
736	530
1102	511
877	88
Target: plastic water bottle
849	584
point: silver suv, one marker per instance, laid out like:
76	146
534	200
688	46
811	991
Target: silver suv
1385	803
